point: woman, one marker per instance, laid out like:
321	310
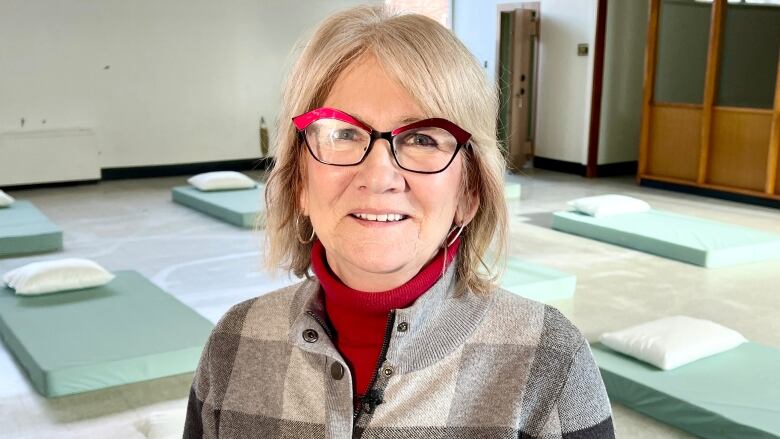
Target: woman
388	185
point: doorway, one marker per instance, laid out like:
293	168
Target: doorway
517	54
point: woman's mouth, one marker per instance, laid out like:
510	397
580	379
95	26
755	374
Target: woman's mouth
382	217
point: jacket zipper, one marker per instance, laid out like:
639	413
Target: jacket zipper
382	357
324	325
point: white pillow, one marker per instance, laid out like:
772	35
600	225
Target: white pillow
5	199
167	424
672	342
57	275
221	180
606	205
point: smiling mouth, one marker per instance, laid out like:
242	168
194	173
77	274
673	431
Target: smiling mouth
382	218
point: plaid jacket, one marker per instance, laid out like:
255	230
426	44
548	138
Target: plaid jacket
463	367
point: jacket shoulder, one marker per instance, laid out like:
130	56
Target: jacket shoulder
265	317
514	319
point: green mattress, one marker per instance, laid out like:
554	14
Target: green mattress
124	332
684	238
240	207
735	394
24	229
537	282
512	190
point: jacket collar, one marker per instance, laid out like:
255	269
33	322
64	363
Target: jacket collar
436	324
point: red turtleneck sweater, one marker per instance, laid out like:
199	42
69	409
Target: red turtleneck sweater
359	319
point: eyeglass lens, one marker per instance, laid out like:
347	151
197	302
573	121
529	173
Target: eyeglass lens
424	149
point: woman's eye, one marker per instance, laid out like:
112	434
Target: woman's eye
423	140
418	139
343	135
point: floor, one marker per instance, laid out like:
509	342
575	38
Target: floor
210	265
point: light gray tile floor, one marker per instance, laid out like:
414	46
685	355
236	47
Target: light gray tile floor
210	265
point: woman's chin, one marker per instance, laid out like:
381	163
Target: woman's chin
387	262
383	271
382	264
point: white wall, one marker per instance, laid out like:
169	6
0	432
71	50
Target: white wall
161	82
565	80
621	99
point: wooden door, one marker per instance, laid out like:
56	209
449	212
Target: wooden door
520	148
711	104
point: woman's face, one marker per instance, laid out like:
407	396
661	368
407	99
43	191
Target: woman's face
379	255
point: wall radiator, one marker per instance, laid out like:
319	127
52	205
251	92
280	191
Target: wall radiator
48	156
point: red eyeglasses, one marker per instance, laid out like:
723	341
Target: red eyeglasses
333	137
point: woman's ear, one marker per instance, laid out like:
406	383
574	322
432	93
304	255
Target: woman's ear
303	193
467	208
303	200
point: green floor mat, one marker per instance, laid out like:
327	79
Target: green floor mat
512	191
680	237
124	332
735	394
240	207
537	282
24	229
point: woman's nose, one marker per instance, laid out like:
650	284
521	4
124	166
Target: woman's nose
379	172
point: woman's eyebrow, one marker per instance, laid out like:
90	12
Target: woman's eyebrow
404	121
410	119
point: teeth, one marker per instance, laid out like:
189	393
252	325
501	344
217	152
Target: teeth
385	217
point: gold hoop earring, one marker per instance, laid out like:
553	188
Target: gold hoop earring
298	233
460	230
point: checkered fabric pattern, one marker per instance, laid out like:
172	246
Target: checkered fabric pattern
463	366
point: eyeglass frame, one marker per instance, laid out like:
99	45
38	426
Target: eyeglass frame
302	121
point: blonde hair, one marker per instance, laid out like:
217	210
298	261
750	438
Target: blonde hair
435	68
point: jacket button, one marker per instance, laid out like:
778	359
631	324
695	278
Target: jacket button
310	336
387	371
337	370
403	327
